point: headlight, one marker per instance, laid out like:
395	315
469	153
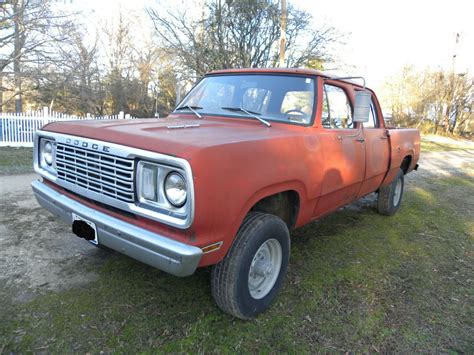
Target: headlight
175	189
46	154
160	186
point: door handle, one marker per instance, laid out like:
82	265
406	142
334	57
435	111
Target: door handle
360	139
383	137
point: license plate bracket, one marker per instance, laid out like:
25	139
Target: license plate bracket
84	228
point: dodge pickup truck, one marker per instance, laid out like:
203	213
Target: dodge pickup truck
247	156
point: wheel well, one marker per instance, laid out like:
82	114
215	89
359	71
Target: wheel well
283	204
406	164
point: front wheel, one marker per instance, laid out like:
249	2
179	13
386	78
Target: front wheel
247	280
390	196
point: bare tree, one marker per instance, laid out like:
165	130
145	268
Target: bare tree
46	58
432	100
72	82
28	29
119	55
239	33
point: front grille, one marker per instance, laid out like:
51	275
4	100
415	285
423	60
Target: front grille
102	173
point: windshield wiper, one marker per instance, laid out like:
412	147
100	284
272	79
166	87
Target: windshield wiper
191	108
250	113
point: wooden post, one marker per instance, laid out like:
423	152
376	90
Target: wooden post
19	10
283	33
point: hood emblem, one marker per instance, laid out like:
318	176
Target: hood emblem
84	144
178	126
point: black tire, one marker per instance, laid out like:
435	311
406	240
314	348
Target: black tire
230	278
388	201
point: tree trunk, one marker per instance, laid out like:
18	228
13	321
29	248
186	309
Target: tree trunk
455	119
18	9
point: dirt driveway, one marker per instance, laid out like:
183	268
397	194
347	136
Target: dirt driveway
39	253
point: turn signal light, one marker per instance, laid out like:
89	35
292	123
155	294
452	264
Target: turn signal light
211	248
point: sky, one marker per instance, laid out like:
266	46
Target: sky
383	36
380	36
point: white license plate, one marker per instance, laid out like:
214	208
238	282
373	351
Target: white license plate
85	229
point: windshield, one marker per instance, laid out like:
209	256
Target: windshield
271	97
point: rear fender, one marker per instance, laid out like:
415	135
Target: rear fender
402	144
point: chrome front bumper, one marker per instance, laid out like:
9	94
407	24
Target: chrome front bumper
150	248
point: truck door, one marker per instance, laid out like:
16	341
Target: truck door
377	150
343	149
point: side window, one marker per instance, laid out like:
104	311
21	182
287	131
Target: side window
373	122
337	111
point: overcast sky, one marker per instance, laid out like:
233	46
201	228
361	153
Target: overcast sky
382	36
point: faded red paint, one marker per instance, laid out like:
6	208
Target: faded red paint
237	162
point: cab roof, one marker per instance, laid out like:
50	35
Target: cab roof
300	71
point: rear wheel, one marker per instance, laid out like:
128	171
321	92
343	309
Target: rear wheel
247	280
390	196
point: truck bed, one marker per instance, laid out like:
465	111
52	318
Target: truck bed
404	145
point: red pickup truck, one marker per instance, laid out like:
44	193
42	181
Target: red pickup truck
247	156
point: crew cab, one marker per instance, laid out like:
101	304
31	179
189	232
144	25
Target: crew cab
246	157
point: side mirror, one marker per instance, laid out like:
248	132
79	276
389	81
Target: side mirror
363	99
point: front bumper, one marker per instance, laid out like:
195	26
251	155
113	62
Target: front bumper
150	248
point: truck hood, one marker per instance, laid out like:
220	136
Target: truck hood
176	135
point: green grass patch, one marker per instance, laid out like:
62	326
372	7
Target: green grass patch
444	144
357	281
16	160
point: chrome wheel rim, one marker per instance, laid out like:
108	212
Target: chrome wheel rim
398	192
265	268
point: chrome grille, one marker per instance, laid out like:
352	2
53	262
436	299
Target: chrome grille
99	172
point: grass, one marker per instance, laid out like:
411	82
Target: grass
430	143
357	281
16	160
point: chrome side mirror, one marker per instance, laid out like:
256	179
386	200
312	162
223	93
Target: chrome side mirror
363	99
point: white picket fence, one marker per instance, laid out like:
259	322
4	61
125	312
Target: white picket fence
18	129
